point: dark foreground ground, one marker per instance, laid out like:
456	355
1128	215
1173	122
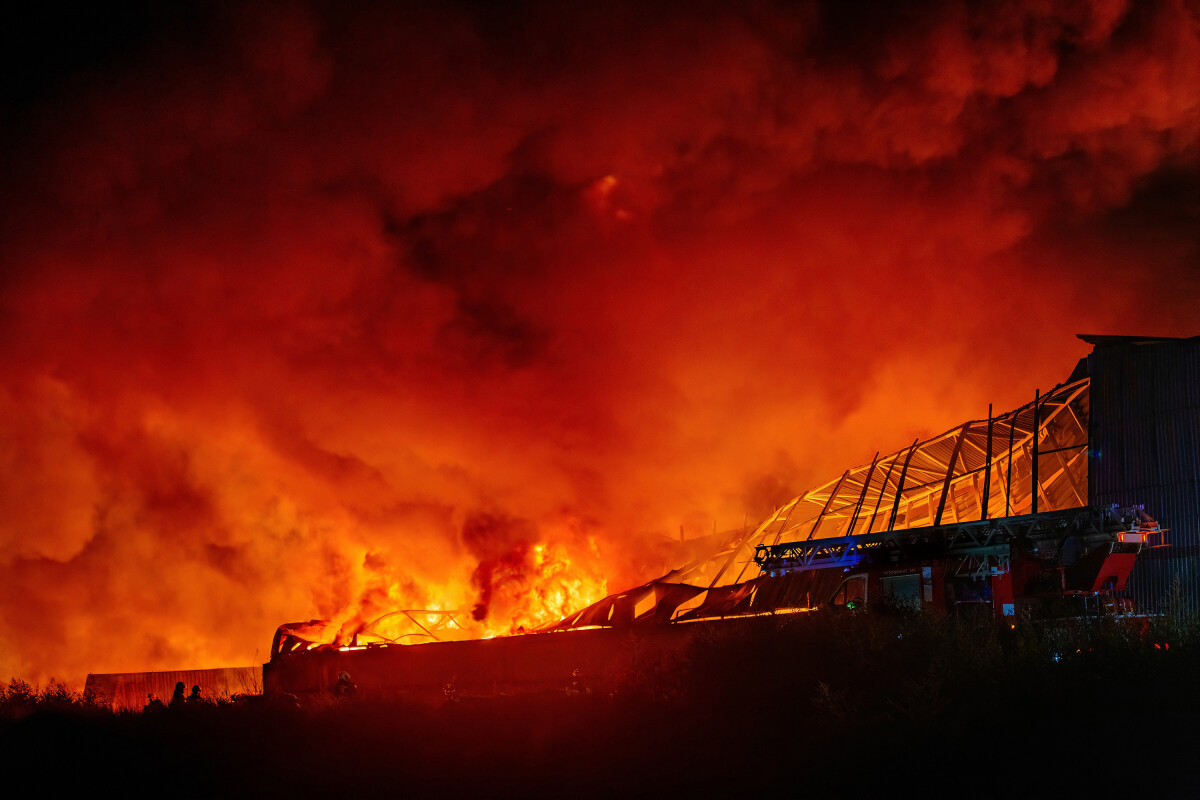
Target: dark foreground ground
812	707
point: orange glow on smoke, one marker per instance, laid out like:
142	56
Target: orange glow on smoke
555	589
310	313
539	586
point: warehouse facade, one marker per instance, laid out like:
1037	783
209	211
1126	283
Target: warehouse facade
1145	448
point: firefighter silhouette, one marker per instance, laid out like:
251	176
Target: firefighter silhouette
450	690
194	698
177	699
153	705
344	688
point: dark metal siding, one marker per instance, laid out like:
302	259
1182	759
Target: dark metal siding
127	691
1145	450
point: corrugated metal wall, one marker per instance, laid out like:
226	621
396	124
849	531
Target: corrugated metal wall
127	691
1145	450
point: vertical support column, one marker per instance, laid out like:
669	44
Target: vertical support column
987	475
1037	424
900	485
1012	429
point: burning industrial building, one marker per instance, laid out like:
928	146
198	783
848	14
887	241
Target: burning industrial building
1011	516
560	324
322	312
1003	583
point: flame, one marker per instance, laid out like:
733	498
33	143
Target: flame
322	333
556	588
531	586
518	591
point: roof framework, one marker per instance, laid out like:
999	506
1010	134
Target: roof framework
979	470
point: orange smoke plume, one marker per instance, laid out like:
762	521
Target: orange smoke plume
319	313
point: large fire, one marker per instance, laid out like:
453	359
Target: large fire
461	312
531	586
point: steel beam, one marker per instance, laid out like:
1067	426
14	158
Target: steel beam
828	503
900	485
863	496
950	474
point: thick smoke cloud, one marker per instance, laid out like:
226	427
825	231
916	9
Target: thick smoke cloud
307	313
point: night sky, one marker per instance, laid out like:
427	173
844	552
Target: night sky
308	312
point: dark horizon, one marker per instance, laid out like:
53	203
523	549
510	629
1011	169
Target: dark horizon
308	311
